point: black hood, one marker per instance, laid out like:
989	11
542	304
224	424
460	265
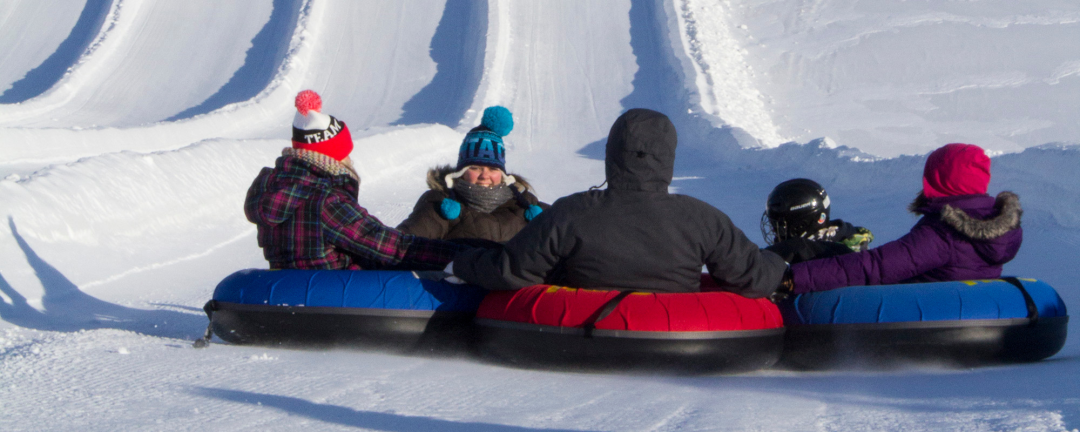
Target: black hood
641	151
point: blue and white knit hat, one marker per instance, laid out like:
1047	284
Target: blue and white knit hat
483	145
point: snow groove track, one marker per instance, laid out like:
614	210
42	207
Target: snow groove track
125	81
45	75
553	64
458	50
723	83
141	60
261	64
367	83
562	84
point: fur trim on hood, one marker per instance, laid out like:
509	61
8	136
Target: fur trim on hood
436	180
1008	218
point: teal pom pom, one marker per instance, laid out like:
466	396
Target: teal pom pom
498	119
532	212
450	209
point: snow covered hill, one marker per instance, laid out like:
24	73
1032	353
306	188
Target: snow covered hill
131	129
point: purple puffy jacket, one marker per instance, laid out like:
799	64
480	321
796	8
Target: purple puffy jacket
959	238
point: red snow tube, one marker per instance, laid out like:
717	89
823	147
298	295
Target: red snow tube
570	328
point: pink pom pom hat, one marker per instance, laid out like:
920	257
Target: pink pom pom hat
318	132
956	169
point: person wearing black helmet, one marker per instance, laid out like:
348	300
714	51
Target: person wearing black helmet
797	227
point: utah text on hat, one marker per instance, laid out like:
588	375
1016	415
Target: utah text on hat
485	150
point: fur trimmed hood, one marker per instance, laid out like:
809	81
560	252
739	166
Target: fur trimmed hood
1008	206
436	180
965	218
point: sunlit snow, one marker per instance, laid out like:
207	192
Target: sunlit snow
130	131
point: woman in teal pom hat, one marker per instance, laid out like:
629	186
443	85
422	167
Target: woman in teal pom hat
476	198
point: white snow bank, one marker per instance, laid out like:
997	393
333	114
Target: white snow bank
904	78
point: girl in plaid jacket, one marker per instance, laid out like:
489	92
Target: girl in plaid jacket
307	212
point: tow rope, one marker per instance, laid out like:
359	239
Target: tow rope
1032	309
605	310
204	341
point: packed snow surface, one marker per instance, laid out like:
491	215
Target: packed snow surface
131	129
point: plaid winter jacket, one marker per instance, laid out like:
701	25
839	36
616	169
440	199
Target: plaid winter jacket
308	218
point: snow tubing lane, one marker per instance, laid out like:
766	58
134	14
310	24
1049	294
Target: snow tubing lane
384	309
963	323
549	327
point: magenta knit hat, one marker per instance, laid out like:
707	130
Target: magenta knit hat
956	169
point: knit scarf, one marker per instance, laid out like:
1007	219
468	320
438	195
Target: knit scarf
323	162
483	198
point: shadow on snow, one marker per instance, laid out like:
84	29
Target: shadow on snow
262	61
457	49
350	417
68	309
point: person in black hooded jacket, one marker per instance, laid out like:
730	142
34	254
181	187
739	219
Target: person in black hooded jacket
632	236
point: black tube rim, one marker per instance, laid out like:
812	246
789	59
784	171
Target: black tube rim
630	334
990	322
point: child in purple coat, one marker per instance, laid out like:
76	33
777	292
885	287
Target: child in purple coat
963	234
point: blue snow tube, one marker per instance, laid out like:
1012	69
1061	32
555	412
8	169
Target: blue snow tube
964	322
385	309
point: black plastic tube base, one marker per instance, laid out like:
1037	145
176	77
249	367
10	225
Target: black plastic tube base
963	343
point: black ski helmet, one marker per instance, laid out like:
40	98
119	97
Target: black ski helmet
796	208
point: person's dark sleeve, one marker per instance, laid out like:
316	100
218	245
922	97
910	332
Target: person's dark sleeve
797	250
917	252
425	220
793	250
374	245
739	266
526	259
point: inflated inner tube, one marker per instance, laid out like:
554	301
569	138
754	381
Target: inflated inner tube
954	323
383	309
567	328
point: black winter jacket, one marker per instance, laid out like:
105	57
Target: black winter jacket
634	235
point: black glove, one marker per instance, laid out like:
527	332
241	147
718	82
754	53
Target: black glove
786	287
